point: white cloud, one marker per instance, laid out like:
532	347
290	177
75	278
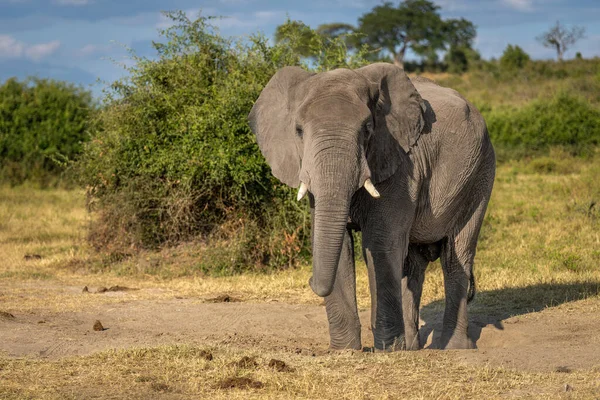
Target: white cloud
521	5
12	48
72	2
42	50
90	49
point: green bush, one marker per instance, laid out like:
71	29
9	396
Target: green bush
173	158
561	121
513	57
43	124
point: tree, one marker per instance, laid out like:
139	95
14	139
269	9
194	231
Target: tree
326	47
514	57
390	31
561	38
459	32
335	30
414	24
459	35
299	36
460	59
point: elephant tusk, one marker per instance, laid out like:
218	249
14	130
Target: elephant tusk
371	189
302	191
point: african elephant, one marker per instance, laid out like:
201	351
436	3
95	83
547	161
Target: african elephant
408	163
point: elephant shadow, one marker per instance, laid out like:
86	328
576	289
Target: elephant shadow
493	307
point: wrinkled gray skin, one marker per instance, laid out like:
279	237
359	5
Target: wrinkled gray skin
427	151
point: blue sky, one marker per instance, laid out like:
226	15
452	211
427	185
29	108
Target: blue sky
75	40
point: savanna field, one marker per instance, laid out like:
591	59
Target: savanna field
224	310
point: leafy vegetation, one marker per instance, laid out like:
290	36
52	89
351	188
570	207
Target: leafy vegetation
564	120
388	32
542	105
173	157
513	58
43	124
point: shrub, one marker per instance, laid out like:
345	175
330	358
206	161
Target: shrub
561	121
173	157
43	124
513	57
460	59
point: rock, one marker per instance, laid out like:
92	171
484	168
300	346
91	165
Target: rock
98	326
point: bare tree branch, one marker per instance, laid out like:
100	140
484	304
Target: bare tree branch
561	38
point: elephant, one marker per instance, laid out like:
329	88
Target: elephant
406	162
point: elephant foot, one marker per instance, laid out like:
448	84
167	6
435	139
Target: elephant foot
458	342
355	345
345	342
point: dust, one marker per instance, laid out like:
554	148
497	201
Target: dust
556	339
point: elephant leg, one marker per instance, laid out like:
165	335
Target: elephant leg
412	287
385	281
458	253
342	312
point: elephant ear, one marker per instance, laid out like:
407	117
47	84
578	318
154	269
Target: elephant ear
398	110
272	121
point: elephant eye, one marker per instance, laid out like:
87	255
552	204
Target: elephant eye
368	128
299	131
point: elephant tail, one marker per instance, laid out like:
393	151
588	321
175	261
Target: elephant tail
471	291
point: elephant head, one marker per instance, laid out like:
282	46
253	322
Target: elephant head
332	134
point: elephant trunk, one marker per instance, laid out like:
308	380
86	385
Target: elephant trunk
338	172
329	228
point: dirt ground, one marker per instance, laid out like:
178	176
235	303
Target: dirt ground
562	338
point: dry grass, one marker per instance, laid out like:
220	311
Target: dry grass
483	88
540	247
541	229
182	371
